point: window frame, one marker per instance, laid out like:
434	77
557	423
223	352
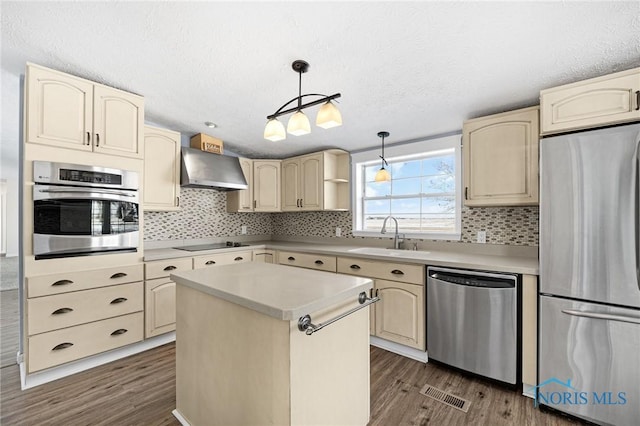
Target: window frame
409	150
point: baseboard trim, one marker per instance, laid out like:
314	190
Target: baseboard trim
528	390
41	377
180	418
405	351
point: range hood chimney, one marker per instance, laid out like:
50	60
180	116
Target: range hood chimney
201	169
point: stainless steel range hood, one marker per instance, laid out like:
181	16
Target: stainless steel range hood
205	170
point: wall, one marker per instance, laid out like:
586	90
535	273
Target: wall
203	215
10	148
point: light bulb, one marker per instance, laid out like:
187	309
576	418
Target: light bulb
274	130
328	116
299	124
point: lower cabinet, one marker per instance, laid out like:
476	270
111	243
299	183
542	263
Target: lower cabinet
222	259
160	312
306	260
264	256
400	314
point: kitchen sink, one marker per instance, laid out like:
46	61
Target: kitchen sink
409	254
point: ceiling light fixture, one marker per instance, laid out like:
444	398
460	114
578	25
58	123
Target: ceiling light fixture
210	124
383	175
328	116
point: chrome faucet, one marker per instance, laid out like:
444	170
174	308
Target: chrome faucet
397	240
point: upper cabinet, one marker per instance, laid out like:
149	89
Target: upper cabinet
70	112
266	185
606	100
161	169
318	181
242	200
501	159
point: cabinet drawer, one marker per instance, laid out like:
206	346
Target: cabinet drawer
305	260
44	285
60	346
402	272
221	259
163	268
595	102
65	310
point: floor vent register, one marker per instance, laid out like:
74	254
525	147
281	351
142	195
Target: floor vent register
446	398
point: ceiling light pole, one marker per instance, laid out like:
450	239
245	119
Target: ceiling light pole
328	115
383	175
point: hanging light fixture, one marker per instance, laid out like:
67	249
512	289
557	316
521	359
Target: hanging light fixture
383	175
328	116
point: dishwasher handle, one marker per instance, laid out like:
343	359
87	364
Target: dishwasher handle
474	281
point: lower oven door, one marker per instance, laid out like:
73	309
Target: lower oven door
69	221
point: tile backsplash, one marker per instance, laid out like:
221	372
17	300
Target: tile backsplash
203	215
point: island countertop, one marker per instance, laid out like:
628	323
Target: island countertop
279	291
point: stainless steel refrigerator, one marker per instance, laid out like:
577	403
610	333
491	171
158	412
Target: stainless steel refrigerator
589	315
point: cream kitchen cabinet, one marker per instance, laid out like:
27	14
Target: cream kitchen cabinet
161	169
77	314
242	200
70	112
318	181
222	259
307	260
399	316
160	295
606	100
501	159
266	185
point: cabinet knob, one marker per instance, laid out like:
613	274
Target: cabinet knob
119	331
118	300
62	346
291	258
397	272
210	262
238	258
319	262
61	282
61	311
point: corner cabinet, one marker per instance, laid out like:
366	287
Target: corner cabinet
161	169
242	200
318	181
501	159
611	99
70	112
266	185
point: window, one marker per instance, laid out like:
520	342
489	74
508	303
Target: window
424	193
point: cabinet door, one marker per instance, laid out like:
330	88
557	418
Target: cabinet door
118	122
59	109
501	159
160	307
600	101
266	191
161	169
242	200
263	256
400	313
291	185
311	182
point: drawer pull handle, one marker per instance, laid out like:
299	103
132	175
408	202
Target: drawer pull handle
356	267
118	300
637	100
97	139
210	262
319	262
119	331
61	282
62	346
118	275
61	311
291	258
397	272
88	138
238	258
169	268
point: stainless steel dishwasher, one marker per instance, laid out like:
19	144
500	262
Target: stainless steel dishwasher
472	321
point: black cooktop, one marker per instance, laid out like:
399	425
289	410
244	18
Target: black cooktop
212	246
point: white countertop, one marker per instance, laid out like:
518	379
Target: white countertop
454	259
279	291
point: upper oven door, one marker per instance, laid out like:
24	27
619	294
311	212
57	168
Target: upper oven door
73	221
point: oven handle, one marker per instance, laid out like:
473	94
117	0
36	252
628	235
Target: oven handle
84	191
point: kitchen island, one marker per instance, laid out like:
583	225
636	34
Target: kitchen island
241	358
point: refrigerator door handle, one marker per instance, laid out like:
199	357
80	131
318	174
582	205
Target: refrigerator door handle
597	315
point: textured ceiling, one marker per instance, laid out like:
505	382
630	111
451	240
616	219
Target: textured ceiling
415	69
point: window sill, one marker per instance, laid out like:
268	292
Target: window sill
419	236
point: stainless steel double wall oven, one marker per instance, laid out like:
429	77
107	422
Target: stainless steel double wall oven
83	210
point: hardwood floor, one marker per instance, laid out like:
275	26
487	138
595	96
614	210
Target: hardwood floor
140	390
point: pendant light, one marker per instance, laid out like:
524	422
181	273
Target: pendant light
383	175
328	116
